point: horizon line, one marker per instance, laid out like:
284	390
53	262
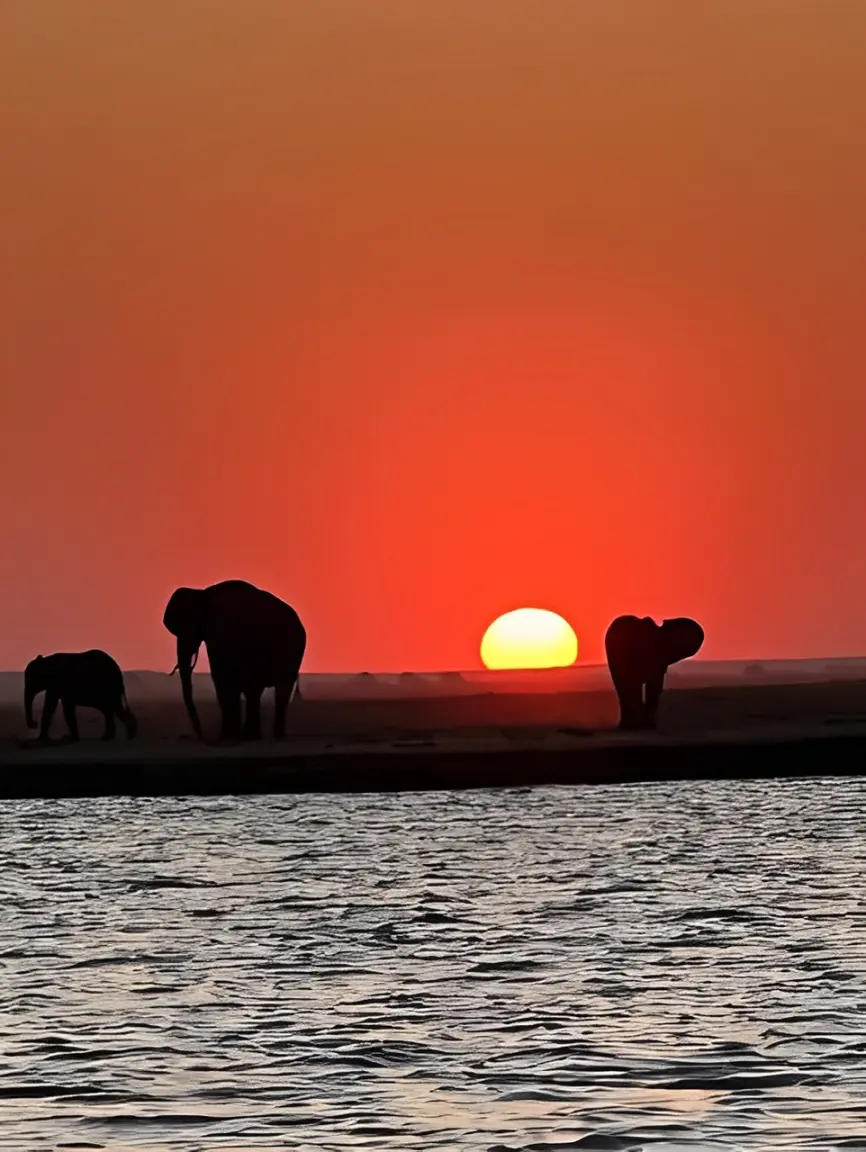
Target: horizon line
576	667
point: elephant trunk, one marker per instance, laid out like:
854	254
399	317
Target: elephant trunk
29	696
186	654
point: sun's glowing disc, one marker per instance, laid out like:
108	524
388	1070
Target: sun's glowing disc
529	638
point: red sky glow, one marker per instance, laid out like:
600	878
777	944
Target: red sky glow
417	313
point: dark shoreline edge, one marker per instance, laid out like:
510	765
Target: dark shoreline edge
283	773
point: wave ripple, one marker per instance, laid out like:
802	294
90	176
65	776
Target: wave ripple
664	967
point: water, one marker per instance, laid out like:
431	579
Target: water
662	967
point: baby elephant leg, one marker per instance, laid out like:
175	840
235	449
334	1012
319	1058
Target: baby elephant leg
71	719
110	727
48	709
127	718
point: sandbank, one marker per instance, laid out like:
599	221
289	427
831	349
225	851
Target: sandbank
410	734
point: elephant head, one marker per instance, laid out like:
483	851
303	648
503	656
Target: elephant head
680	638
184	617
34	683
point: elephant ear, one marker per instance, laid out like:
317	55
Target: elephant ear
681	638
184	613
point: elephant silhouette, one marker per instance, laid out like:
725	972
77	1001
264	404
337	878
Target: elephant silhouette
253	640
639	653
89	679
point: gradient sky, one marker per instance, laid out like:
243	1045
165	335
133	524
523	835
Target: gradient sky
418	312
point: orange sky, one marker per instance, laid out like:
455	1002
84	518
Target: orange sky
417	312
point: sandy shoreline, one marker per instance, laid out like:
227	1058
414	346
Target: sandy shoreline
393	769
440	742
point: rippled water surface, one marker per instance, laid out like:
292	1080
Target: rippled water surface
664	967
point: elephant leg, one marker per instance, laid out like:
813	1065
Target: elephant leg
229	700
69	715
253	719
48	710
653	691
282	695
629	690
110	728
632	707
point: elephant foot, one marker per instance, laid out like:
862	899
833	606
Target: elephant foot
638	726
632	725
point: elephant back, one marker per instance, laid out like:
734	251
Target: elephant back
632	644
253	628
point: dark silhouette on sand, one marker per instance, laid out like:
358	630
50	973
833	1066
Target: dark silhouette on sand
254	641
89	679
639	652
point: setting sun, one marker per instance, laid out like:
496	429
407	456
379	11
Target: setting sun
529	638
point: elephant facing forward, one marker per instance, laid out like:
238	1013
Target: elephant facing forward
89	679
639	652
253	640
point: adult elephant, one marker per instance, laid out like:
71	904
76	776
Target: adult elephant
254	641
639	653
90	679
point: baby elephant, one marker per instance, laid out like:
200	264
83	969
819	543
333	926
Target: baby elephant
90	679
